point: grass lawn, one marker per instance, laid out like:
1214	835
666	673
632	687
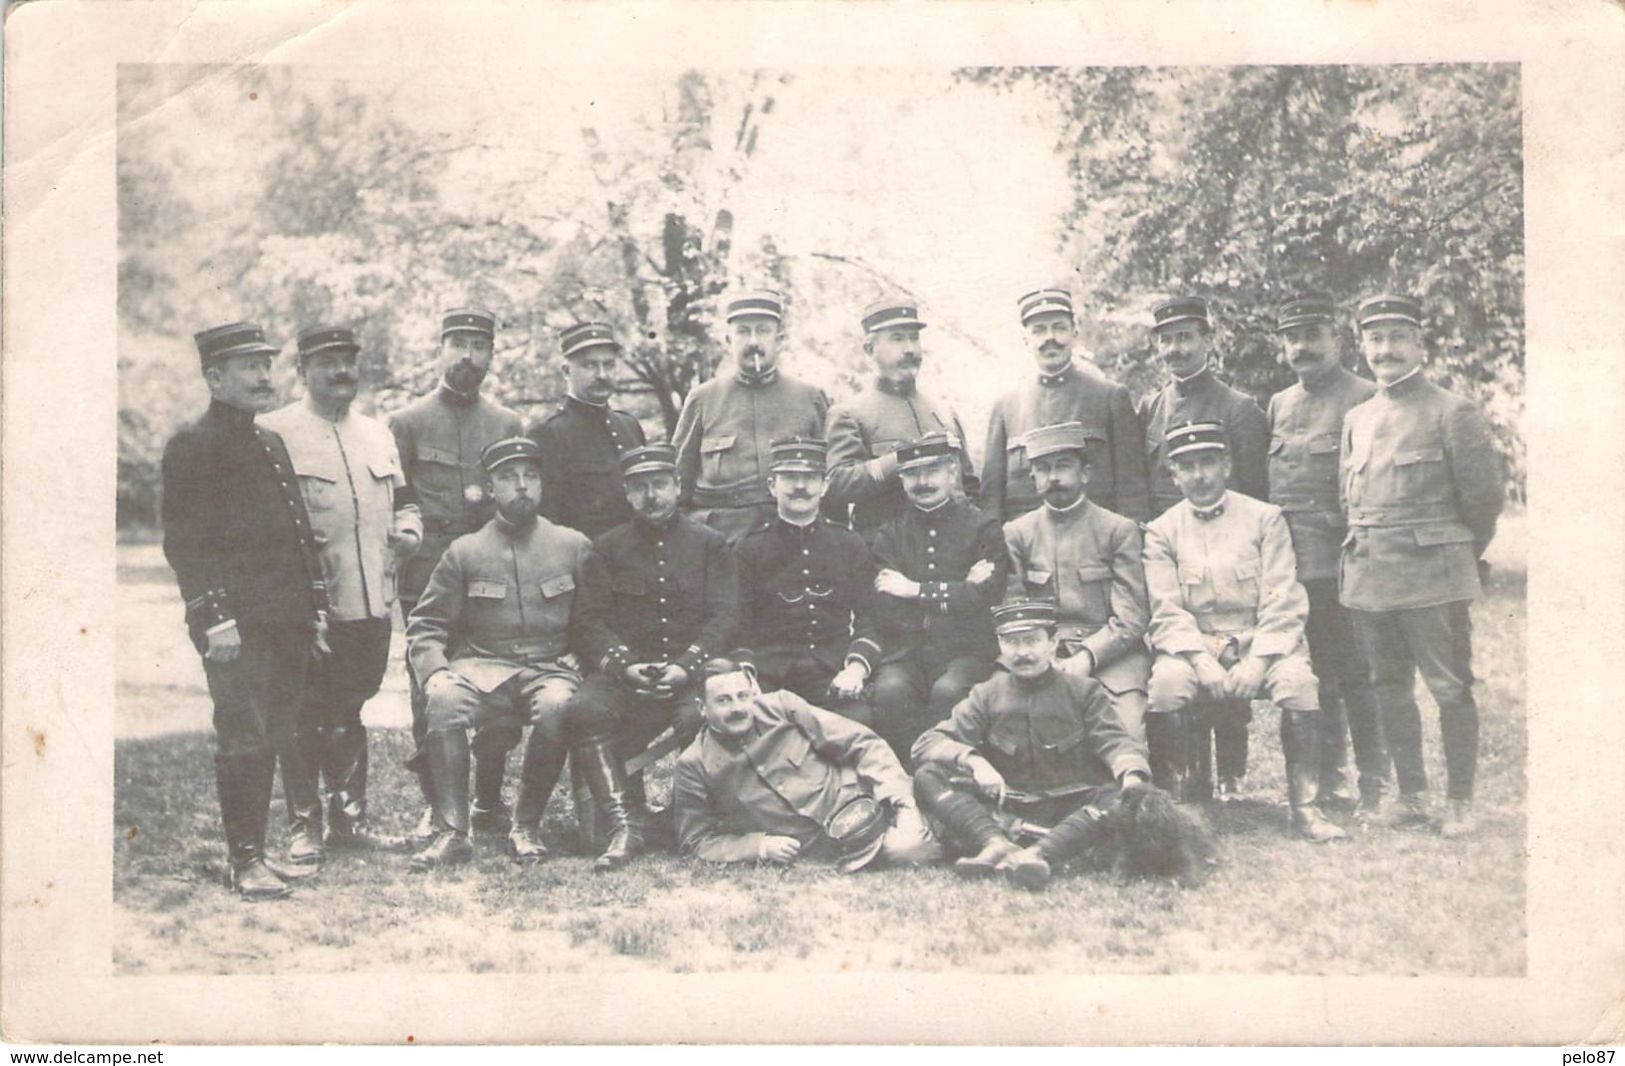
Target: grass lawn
1385	903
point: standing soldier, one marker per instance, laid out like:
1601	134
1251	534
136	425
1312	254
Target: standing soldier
440	438
491	640
1306	426
1183	338
805	591
942	566
727	423
239	540
1422	490
365	521
1086	560
1227	617
865	432
583	440
1064	392
659	597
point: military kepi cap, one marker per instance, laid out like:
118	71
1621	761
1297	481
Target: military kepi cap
584	335
804	454
1060	437
469	320
1044	301
1190	437
1179	309
1304	309
508	450
1388	308
326	338
927	449
767	302
1014	616
236	338
891	313
649	458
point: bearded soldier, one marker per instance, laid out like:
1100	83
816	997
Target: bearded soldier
1063	392
1422	490
440	438
728	423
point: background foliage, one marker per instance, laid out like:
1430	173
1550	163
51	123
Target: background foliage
274	194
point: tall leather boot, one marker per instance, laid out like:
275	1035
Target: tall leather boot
302	789
1030	867
1335	790
967	825
1198	756
490	813
538	774
449	761
237	783
1300	744
344	765
607	779
1165	733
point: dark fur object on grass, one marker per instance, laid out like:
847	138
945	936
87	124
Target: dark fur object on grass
1152	837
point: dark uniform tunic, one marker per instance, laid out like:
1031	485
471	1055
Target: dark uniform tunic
788	777
661	594
1306	431
722	440
1055	739
805	595
1204	398
440	438
581	474
1422	491
864	434
1076	394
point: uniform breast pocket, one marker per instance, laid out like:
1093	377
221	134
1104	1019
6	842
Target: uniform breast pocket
1067	743
1418	473
1238	584
714	453
1195	588
1096	581
1039	581
384	469
320	489
557	585
486	597
1323	450
437	470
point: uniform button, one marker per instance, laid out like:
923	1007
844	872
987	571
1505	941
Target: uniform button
931	549
806	572
931	532
804	551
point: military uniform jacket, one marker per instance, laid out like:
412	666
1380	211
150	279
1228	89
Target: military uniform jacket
937	549
1056	731
1422	490
1231	576
235	528
1087	560
1116	444
661	594
440	438
798	766
1204	398
806	590
1306	430
872	426
352	482
499	599
725	428
581	471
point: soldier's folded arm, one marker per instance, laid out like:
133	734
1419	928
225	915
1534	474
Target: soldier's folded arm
1476	471
699	827
845	742
965	595
1283	606
1124	631
428	629
1172	629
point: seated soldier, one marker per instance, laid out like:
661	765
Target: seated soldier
1227	616
805	591
1035	752
490	640
771	778
942	563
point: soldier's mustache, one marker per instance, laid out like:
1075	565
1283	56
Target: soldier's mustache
1050	346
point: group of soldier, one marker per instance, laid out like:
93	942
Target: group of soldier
865	653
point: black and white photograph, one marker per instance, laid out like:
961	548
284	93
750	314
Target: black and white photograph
730	518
